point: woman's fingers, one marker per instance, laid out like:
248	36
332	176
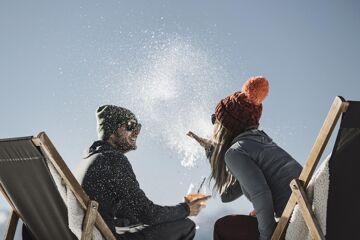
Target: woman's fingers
252	213
202	141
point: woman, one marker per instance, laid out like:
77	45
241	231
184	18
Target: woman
245	160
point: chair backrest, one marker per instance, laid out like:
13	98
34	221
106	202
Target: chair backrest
30	188
343	203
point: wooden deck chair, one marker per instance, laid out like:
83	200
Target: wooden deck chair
29	188
343	209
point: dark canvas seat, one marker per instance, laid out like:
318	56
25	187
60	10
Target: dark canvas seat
29	187
342	205
343	202
25	176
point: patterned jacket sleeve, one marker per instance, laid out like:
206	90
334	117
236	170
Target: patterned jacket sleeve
135	200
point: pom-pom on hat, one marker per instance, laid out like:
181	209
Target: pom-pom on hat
243	109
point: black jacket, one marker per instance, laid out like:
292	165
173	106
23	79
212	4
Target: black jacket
111	182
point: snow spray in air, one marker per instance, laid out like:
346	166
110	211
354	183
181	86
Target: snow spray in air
174	88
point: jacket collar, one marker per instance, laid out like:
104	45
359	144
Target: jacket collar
253	134
99	146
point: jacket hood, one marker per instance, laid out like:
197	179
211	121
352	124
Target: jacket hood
97	147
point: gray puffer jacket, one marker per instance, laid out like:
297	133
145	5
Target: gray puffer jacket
264	172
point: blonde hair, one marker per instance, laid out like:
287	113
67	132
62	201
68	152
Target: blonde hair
221	141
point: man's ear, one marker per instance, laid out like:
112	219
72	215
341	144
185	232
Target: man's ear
109	140
112	136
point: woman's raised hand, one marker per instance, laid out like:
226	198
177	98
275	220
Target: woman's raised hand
205	143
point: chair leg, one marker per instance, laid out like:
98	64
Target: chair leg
11	226
89	220
306	211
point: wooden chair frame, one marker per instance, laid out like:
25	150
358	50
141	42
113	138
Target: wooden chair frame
92	217
299	185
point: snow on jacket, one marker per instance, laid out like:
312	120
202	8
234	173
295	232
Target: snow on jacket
264	172
111	182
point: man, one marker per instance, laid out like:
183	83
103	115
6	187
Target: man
111	182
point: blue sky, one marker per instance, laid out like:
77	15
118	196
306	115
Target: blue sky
171	62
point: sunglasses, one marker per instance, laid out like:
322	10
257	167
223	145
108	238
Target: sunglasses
213	118
131	125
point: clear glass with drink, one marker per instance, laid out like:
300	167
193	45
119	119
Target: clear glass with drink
197	191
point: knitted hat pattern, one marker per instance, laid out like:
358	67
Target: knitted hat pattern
109	117
243	109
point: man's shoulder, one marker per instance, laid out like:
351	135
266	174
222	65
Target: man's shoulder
108	160
109	156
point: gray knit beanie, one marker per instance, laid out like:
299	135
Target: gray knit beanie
109	117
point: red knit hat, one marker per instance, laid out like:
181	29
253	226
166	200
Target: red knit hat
243	109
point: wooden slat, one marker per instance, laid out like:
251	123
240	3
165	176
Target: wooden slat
89	221
61	167
336	109
11	226
14	216
43	141
307	213
103	228
279	232
318	148
3	191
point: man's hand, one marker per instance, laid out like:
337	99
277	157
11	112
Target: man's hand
196	205
205	143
